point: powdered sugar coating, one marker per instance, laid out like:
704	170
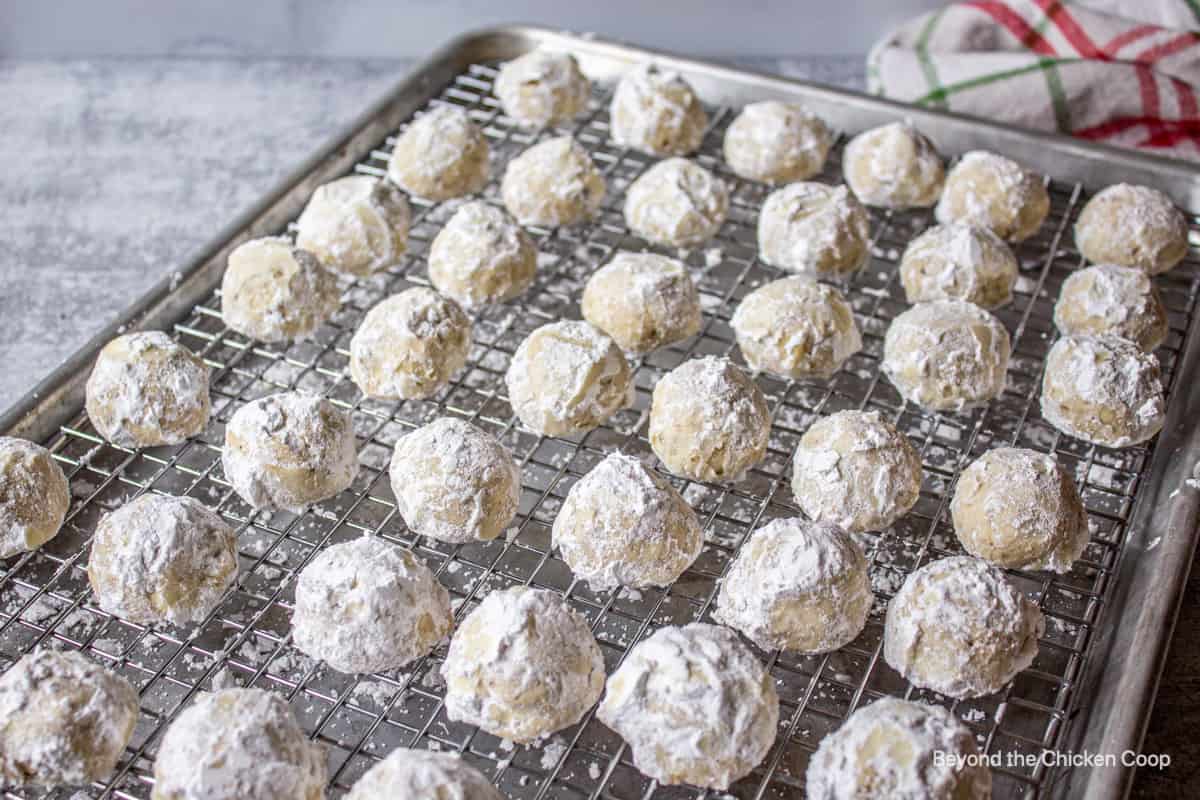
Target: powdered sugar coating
553	183
797	585
893	166
777	142
1019	509
694	704
676	203
289	450
64	721
854	469
481	256
522	665
796	328
542	88
657	112
1104	390
959	262
622	525
899	748
709	421
238	744
1133	226
356	225
368	606
147	390
567	378
162	559
991	191
813	228
958	627
1110	300
643	301
454	482
415	774
441	155
34	496
946	355
273	291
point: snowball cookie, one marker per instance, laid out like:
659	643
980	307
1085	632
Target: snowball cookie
796	328
147	390
958	627
481	256
523	664
34	496
64	720
289	450
274	292
368	606
694	704
454	482
238	744
813	228
676	203
409	345
855	470
899	748
1103	390
946	355
162	559
893	166
567	378
657	112
1133	226
540	88
622	525
356	225
413	774
1020	510
441	155
644	301
995	192
959	262
708	420
552	183
776	142
1113	301
797	585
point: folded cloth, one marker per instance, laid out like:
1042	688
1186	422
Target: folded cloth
1123	72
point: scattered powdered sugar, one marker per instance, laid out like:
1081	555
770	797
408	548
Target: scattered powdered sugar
677	203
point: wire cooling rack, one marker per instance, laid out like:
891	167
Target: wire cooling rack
45	599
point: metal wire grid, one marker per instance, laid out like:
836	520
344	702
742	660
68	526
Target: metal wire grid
45	599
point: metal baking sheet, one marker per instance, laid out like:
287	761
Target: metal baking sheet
1109	619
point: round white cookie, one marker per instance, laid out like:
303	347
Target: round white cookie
567	378
481	256
855	470
409	345
273	291
441	155
1108	300
958	627
414	774
162	559
1019	509
676	203
709	421
522	665
797	585
796	328
553	183
899	748
454	482
1103	390
147	390
64	720
959	262
777	142
1133	226
694	704
813	228
644	301
369	606
356	225
289	450
34	496
238	744
893	166
542	88
622	525
946	355
991	191
657	112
